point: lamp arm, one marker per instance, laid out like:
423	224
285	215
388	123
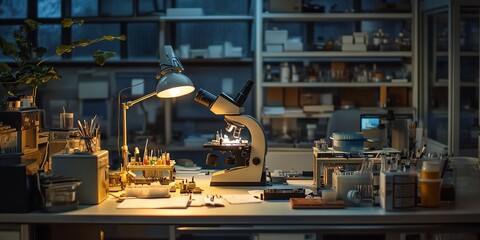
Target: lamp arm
125	107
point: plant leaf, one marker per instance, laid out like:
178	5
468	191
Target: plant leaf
4	68
32	24
61	49
68	22
99	56
7	47
82	43
111	38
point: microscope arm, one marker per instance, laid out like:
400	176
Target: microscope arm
257	135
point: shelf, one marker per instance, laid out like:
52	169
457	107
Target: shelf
334	16
335	84
298	115
207	18
313	54
462	84
216	60
154	18
462	54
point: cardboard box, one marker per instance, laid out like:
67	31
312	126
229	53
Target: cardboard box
274	97
308	98
291	98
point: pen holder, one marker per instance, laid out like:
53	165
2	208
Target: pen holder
88	145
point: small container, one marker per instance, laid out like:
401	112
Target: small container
430	192
431	169
329	195
66	120
351	142
466	172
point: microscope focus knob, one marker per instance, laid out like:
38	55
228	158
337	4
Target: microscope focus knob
256	161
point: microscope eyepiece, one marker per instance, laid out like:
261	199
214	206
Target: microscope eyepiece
243	94
205	98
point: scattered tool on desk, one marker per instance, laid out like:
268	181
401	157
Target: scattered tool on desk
315	203
282	194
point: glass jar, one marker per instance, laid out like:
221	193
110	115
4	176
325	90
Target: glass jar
466	171
431	169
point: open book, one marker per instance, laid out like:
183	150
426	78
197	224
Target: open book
214	201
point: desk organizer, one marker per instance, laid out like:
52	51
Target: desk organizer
343	183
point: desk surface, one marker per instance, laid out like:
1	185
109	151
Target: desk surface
268	212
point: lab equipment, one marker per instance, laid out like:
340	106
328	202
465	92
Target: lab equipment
282	194
91	169
249	157
398	190
27	124
58	193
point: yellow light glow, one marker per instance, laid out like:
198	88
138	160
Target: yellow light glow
175	92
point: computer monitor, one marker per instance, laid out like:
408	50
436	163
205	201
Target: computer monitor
369	122
392	130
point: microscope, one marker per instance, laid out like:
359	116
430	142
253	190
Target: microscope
248	158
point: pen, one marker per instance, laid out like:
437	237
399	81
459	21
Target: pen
80	127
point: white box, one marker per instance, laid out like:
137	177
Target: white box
274	48
354	47
359	40
398	190
293	46
232	52
276	36
184	12
215	51
347	39
91	169
198	53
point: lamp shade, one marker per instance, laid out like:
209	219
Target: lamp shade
174	85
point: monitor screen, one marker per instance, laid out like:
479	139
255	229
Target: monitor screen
370	122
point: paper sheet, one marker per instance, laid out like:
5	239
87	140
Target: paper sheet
241	198
174	202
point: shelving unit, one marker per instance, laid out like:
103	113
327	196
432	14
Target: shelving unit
265	20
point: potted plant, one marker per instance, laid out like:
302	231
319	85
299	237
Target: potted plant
29	69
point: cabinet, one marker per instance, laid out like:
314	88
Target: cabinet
326	67
451	69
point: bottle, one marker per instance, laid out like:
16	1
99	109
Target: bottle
284	72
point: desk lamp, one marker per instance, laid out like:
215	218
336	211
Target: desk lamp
172	84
